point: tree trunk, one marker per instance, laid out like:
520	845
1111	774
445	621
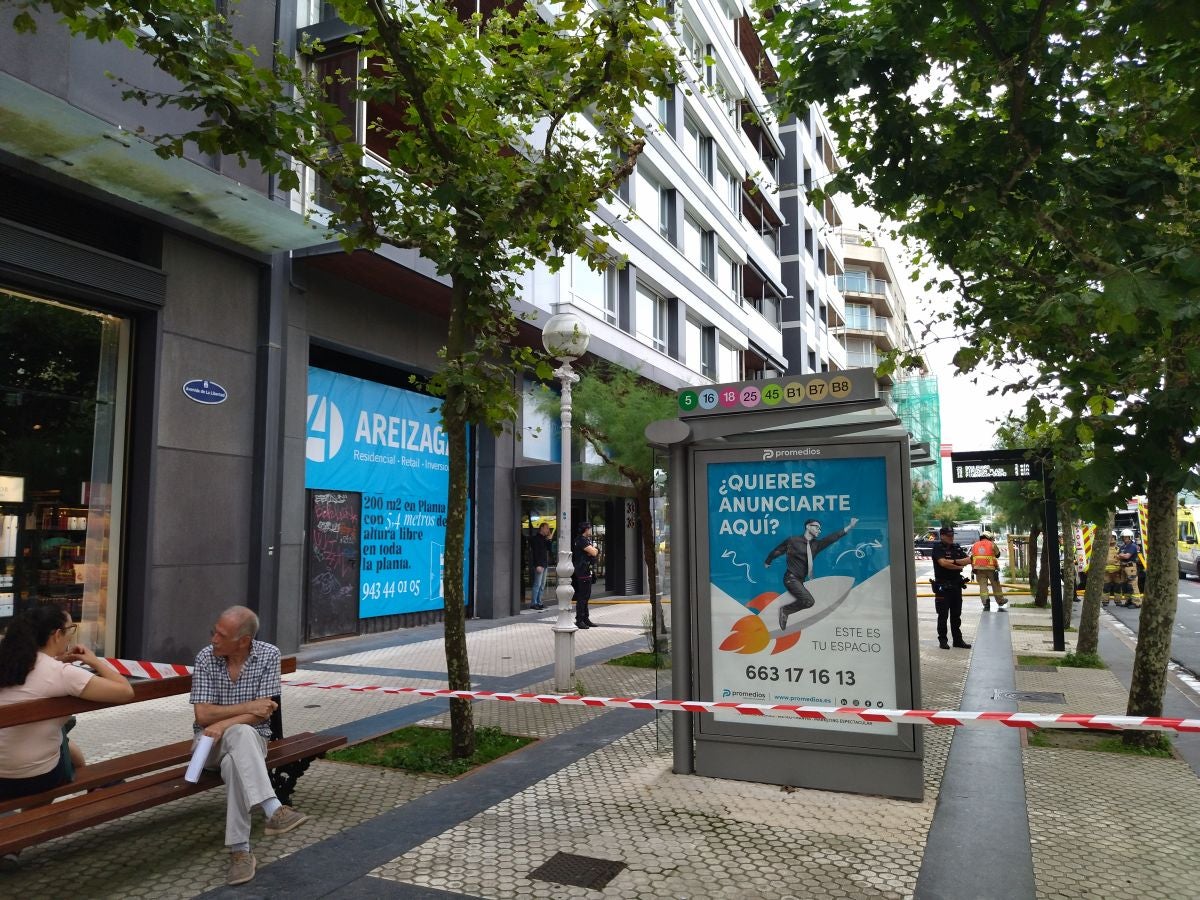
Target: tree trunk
658	627
1042	594
1157	618
458	669
1068	569
1032	552
1089	616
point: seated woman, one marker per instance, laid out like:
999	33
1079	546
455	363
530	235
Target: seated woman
35	662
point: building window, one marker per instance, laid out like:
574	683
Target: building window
808	240
652	319
807	178
728	185
541	432
693	338
697	146
858	316
811	296
664	111
653	204
597	288
693	46
729	363
693	239
708	352
708	254
812	361
729	274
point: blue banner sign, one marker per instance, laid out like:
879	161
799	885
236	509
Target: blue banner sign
387	444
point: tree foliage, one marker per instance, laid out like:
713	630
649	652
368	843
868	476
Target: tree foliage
1045	153
497	136
953	509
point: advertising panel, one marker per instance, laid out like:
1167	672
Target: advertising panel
800	585
387	444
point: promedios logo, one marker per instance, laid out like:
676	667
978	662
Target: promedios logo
325	431
791	452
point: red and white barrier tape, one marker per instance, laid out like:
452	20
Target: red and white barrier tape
137	668
144	669
818	713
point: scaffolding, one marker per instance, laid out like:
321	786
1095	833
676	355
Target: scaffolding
915	400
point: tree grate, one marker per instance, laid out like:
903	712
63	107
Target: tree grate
1030	696
578	871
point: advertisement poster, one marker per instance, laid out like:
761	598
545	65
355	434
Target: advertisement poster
387	444
800	586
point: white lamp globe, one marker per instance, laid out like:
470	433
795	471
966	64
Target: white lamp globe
565	336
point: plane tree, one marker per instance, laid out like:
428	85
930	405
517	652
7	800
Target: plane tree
1044	154
500	131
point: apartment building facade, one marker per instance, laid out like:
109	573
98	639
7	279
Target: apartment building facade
201	390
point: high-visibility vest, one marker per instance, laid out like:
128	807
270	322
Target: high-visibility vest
983	554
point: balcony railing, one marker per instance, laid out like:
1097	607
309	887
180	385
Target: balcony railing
857	360
861	283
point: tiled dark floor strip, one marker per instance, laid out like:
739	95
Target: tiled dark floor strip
978	845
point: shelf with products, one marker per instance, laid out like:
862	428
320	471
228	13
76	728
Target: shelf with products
53	553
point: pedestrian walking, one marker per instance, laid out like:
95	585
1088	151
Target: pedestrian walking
539	562
985	566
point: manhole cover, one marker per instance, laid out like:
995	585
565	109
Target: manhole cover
578	871
1030	696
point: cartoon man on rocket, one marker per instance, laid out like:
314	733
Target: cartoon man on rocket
800	550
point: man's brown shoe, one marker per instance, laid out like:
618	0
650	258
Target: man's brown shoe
241	867
284	820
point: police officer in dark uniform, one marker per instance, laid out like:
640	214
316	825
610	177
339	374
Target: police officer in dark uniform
949	559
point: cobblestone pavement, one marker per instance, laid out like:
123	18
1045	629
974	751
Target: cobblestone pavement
684	837
678	836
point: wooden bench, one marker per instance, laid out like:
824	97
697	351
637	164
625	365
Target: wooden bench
127	784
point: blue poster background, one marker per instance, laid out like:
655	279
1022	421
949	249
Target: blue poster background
754	506
386	443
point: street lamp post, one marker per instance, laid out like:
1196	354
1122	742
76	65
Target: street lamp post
565	337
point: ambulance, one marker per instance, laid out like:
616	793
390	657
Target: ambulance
1187	548
1134	518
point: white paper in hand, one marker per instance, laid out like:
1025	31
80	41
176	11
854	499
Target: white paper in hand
199	758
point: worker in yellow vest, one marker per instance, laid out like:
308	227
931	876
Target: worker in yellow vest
985	565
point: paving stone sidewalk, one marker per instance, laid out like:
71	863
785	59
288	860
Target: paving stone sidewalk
677	836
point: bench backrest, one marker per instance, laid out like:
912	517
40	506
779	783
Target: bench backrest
151	689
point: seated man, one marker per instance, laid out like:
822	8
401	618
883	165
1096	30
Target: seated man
232	685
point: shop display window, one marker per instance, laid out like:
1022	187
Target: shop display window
62	397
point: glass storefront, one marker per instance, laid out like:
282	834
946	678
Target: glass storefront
63	374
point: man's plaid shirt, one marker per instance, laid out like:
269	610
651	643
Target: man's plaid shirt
259	678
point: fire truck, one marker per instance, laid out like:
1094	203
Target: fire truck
1134	518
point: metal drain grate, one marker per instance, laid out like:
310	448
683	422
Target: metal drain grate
1030	696
578	871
